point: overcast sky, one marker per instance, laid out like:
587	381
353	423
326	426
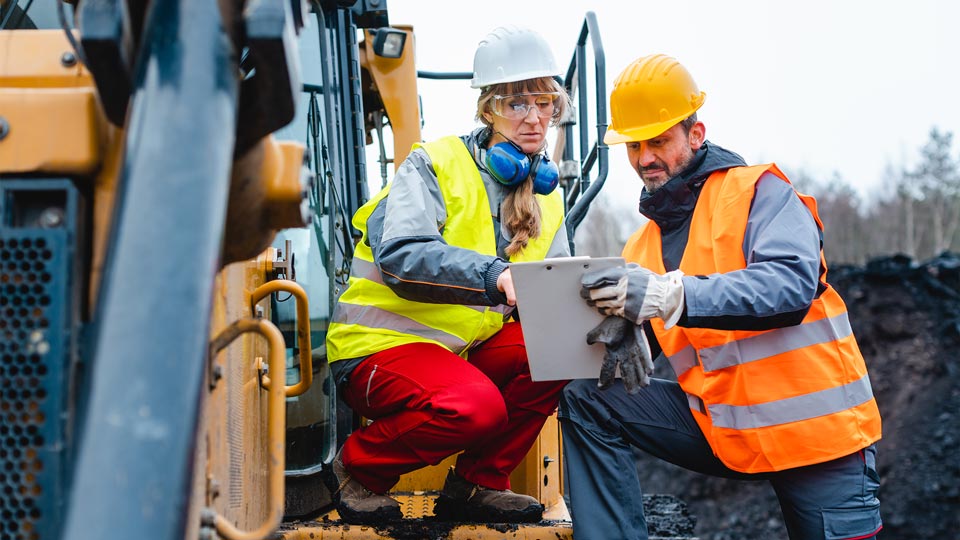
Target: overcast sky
845	86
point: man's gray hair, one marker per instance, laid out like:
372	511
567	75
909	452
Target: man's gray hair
688	122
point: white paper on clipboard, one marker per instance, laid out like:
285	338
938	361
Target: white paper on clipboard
556	320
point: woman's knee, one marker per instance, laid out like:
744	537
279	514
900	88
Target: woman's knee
475	411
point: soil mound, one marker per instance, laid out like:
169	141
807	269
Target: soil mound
906	317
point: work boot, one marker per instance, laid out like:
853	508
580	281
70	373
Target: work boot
462	500
357	504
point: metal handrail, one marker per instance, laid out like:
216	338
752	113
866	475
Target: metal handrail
276	431
445	75
598	152
303	330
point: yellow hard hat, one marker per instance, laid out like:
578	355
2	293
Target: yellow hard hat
650	96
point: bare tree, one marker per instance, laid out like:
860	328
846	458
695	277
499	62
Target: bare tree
938	179
920	219
883	230
606	228
908	194
839	208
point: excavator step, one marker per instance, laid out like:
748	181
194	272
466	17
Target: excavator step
667	518
419	522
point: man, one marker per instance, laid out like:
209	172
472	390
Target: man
729	281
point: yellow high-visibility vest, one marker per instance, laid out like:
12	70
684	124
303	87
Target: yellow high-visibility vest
370	317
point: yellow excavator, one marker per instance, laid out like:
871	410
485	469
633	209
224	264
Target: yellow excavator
177	179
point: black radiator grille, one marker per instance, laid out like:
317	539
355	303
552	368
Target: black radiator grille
32	364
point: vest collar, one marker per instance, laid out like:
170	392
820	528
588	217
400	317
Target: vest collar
671	206
476	141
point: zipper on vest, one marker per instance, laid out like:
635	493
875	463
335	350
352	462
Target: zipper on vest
481	326
369	383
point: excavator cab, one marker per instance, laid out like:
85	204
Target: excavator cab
177	179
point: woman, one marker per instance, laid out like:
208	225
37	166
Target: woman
420	342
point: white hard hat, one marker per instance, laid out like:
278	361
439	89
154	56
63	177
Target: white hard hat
510	54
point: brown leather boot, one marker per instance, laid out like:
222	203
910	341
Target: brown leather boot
357	504
462	500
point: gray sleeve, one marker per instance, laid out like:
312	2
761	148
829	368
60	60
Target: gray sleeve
412	256
560	247
782	250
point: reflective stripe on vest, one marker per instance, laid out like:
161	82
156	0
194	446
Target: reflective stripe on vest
770	344
783	411
370	317
683	360
368	270
765	400
374	317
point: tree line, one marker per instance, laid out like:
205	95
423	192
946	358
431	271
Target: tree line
918	217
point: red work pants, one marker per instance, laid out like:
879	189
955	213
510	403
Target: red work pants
427	403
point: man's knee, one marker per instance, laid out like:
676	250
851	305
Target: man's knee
580	402
576	392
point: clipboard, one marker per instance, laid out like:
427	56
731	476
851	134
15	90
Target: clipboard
555	320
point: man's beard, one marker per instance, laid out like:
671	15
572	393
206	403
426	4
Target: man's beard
653	185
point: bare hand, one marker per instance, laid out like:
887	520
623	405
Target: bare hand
505	285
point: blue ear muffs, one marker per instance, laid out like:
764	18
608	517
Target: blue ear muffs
546	175
507	163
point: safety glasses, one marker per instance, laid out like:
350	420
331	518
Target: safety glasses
518	106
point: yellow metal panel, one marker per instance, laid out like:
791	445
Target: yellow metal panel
538	475
54	130
427	478
396	80
233	433
281	170
283	178
34	59
104	194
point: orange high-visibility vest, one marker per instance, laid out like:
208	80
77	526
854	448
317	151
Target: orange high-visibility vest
765	400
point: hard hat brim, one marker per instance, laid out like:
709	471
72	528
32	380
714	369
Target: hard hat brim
645	133
530	75
649	131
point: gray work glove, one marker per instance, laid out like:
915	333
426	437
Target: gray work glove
635	293
626	346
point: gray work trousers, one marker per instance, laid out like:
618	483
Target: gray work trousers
833	500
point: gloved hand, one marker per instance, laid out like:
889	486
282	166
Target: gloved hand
635	293
627	347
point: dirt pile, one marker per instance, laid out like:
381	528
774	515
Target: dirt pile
906	317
